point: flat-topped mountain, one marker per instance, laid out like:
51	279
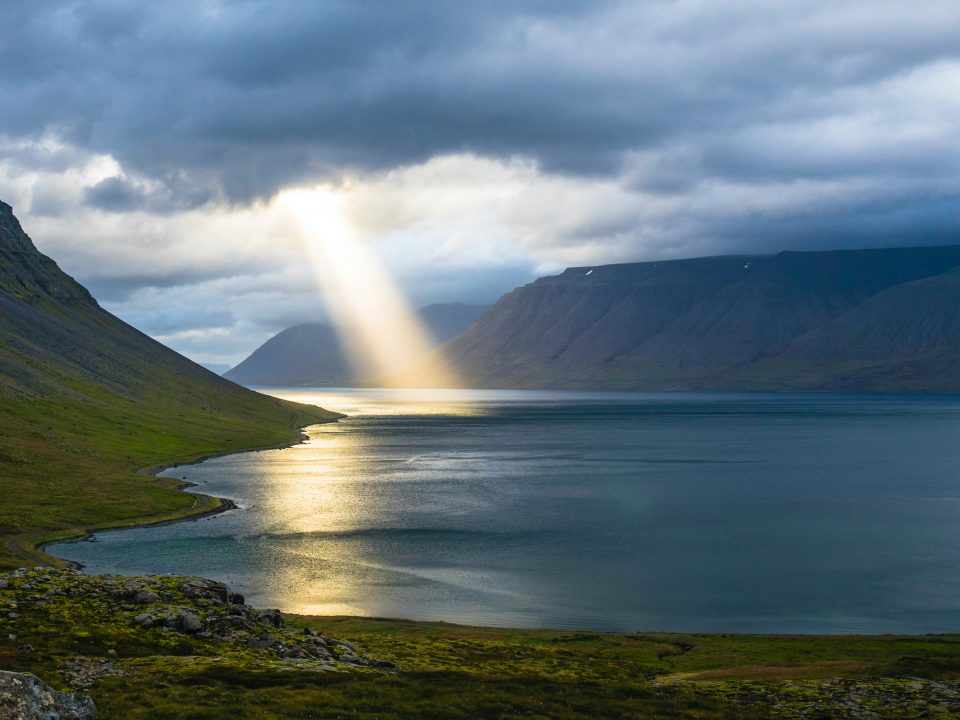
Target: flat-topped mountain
86	399
314	353
861	319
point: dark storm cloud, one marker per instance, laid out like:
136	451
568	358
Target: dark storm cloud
248	96
117	288
239	99
114	194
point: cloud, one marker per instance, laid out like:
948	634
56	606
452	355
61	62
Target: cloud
114	194
475	143
249	97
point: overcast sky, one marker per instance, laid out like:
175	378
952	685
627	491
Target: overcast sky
476	145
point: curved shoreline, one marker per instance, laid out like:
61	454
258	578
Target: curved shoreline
31	547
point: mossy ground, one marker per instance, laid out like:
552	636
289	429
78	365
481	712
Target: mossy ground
454	671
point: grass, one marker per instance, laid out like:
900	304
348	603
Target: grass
450	671
71	462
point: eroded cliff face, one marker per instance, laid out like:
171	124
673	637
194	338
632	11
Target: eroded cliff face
788	321
29	275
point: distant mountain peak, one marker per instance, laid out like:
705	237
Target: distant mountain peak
315	354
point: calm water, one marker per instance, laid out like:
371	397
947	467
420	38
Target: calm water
611	511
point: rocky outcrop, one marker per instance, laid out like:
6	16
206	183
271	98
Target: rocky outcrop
26	697
208	612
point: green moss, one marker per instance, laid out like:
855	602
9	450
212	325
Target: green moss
454	671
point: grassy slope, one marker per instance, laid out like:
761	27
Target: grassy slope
68	465
86	401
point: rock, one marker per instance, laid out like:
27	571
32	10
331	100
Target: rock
349	658
231	622
145	596
346	645
25	648
260	643
82	672
26	697
271	616
188	622
197	588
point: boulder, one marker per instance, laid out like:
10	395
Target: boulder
271	616
188	622
26	697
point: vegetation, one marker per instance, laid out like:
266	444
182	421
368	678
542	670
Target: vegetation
87	402
86	632
69	465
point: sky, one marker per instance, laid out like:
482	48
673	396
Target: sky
148	146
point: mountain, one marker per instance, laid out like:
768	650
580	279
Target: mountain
314	354
861	320
86	400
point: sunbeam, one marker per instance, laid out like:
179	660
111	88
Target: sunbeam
377	325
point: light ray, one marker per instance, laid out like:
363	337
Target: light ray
377	326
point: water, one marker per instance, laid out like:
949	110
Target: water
707	512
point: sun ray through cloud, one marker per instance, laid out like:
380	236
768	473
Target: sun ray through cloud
373	317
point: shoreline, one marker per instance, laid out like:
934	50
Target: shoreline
32	548
205	505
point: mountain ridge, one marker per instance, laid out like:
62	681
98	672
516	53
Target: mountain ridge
700	323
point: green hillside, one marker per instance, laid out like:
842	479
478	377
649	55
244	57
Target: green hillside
87	402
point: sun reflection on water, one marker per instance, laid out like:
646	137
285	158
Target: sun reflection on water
310	500
322	504
393	402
